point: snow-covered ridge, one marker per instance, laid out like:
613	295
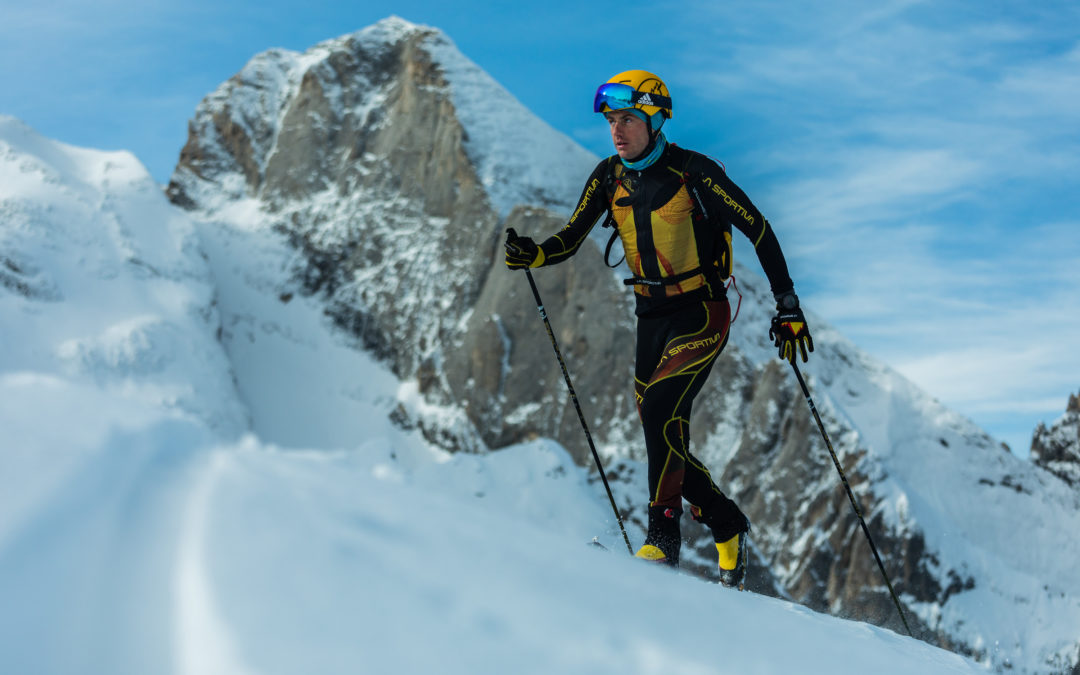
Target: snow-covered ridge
520	158
102	278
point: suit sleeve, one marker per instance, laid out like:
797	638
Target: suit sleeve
721	195
590	206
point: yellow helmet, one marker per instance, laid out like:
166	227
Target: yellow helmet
638	89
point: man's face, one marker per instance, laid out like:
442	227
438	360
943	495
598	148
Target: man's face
629	133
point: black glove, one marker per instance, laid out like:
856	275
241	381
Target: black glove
522	252
789	330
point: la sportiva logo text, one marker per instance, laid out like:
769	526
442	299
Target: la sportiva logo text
585	198
728	200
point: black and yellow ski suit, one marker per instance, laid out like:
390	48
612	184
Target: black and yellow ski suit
675	219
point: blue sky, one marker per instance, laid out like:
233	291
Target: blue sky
920	161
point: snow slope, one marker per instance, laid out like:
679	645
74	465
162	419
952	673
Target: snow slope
157	517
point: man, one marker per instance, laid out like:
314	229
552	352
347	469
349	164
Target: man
673	210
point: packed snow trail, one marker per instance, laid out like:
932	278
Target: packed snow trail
91	498
203	642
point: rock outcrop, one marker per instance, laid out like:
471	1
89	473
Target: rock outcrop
1057	448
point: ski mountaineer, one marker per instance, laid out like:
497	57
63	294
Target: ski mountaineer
673	210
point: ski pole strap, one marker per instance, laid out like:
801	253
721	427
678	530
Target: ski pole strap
610	222
663	281
731	284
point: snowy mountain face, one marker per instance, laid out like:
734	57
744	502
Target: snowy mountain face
390	165
396	211
348	203
103	280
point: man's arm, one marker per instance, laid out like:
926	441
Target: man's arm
722	194
789	330
524	252
590	206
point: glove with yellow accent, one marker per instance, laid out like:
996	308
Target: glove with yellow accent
789	330
522	252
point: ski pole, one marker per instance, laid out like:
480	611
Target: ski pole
577	406
851	497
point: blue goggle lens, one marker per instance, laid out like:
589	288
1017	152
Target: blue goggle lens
614	96
617	96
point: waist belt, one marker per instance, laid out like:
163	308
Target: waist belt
664	281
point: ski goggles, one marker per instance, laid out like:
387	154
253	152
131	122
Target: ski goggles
617	96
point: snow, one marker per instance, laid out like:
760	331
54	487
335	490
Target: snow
172	502
512	149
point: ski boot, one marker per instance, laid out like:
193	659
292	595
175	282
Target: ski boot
731	549
664	538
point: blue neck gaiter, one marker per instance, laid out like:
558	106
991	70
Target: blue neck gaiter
658	146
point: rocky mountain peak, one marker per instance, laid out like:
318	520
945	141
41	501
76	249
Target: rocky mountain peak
1057	448
394	105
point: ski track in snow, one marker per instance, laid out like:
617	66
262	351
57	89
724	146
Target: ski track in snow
204	644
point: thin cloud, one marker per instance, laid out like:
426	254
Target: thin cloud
918	160
874	184
1046	89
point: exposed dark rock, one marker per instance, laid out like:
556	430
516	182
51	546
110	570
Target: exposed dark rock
1057	448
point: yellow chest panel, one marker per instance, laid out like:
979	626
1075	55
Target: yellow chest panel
668	238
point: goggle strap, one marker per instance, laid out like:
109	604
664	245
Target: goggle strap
645	98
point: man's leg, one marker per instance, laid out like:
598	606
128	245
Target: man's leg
683	348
